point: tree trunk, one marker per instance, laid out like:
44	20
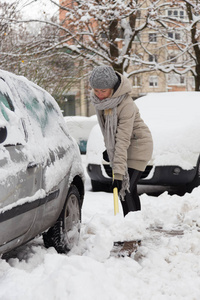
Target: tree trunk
195	46
197	78
118	68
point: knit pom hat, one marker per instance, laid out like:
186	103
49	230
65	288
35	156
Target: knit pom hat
103	77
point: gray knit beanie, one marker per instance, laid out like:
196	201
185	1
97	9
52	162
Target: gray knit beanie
103	77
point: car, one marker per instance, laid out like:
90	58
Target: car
41	177
79	127
173	118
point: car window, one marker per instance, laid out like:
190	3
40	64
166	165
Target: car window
38	105
3	104
34	107
11	128
5	101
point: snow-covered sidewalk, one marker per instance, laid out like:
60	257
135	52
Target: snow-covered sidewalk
165	267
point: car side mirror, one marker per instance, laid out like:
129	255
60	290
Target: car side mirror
3	134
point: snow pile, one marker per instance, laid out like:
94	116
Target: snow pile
166	266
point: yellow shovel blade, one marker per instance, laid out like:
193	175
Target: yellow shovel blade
116	203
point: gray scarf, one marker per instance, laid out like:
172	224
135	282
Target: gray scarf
108	124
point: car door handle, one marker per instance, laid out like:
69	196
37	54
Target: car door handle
32	165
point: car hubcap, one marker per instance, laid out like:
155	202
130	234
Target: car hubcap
72	222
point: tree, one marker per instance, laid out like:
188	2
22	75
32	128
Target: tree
32	53
119	33
193	12
104	30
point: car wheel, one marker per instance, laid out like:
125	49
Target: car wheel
100	187
188	188
66	231
196	181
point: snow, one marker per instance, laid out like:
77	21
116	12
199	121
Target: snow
54	151
173	119
165	266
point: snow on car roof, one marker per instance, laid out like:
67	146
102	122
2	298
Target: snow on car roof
173	119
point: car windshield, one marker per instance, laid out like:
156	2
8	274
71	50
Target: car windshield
38	105
5	101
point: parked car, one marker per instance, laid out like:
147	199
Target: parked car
79	128
174	121
41	177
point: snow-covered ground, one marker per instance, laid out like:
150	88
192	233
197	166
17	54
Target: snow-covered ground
165	267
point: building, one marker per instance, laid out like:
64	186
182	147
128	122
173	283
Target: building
161	47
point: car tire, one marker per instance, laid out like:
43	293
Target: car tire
100	187
188	188
66	231
196	181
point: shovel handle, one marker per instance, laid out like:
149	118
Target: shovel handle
116	203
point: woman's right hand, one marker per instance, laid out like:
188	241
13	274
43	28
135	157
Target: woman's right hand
117	184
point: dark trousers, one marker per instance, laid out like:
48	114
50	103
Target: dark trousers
131	200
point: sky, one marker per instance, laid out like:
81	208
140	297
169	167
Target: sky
36	8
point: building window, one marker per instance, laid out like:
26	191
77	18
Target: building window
136	81
175	13
182	79
176	79
152	37
174	35
153	58
153	81
177	36
170	35
181	14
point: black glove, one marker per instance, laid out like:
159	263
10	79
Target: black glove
117	184
105	156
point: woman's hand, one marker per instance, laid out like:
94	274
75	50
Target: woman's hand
117	184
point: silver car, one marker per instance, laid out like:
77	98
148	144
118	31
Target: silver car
41	174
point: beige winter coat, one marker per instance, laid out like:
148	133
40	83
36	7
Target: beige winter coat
134	145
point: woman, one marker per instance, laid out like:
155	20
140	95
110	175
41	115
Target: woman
127	138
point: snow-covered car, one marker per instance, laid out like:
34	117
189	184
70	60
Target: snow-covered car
174	121
41	174
79	128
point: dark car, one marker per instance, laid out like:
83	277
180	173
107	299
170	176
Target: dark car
41	174
173	119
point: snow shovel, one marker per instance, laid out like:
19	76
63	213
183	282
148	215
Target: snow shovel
116	203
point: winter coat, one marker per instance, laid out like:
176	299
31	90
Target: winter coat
133	140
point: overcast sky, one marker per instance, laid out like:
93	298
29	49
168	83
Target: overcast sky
36	8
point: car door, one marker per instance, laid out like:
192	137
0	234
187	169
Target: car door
19	175
46	149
